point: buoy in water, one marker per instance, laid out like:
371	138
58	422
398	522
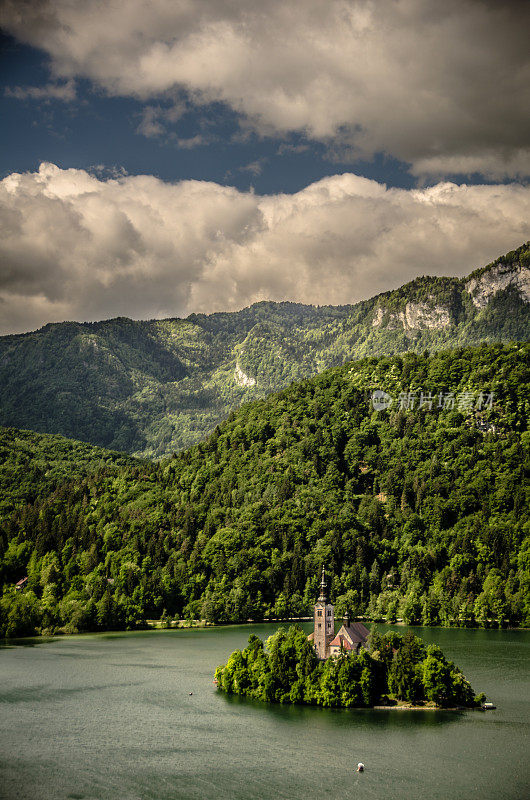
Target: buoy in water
191	694
360	767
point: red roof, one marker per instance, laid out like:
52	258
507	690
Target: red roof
341	641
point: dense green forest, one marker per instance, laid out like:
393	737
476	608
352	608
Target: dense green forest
418	512
32	466
150	388
393	668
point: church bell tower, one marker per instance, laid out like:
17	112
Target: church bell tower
324	621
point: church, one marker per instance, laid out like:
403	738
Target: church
350	638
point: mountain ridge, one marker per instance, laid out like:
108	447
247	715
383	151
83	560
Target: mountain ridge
154	386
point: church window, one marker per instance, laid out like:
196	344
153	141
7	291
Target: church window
319	613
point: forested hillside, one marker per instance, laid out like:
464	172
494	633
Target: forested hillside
33	465
417	512
150	388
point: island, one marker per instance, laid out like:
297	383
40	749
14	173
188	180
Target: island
353	668
394	671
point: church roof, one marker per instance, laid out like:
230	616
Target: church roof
360	629
341	641
356	632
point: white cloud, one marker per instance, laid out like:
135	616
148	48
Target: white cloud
199	140
150	125
442	85
155	119
255	167
75	246
51	91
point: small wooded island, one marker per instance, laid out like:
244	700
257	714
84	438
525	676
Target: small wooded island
383	669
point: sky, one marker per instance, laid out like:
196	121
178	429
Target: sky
165	157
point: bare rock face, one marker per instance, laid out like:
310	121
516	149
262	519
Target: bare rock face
416	315
241	379
499	277
378	319
422	315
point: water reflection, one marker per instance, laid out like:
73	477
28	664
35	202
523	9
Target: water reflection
45	693
30	641
344	717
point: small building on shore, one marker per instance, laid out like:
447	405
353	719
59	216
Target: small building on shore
350	636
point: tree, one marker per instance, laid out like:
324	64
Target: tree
411	607
404	675
19	614
436	676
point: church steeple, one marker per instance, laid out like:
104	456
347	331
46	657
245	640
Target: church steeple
324	621
322	597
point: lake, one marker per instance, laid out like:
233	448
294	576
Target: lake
110	716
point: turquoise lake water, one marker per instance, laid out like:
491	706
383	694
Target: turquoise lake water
110	716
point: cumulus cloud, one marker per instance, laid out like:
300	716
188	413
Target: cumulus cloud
77	246
442	85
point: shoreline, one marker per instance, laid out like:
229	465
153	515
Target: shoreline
399	623
181	625
376	708
421	708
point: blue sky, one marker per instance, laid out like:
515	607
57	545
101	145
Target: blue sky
102	130
161	158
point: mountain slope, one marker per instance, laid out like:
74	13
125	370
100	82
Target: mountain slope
150	388
421	512
33	465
